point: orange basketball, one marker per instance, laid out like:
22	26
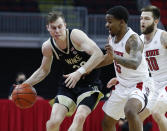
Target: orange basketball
24	96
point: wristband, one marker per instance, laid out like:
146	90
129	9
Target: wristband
81	70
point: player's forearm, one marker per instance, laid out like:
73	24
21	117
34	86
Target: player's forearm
107	60
93	61
131	63
37	76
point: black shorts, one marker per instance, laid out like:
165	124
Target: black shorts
85	94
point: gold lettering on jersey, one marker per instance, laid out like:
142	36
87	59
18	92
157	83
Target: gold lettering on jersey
152	52
74	60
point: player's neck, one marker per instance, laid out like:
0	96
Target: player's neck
62	42
150	36
121	34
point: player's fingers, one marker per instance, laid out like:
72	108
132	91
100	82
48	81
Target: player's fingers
68	84
108	48
109	85
115	82
73	84
109	52
66	81
107	45
66	76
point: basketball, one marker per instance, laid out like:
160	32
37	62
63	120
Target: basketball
24	96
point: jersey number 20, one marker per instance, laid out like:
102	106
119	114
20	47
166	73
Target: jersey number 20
78	66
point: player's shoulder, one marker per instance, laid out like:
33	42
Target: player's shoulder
46	43
134	42
78	36
133	38
46	47
163	38
131	35
76	32
164	33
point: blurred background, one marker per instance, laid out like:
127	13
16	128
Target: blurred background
23	30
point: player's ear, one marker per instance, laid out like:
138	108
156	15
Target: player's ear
156	21
122	22
47	27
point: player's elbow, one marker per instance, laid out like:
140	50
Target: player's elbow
47	71
44	71
134	67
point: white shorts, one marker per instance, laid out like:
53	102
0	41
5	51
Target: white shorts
114	106
159	98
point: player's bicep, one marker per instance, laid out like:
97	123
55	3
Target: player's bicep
84	42
163	39
89	46
135	47
47	58
46	63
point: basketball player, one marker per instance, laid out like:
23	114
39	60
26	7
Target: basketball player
155	50
125	49
79	55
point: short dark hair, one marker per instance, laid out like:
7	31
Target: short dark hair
53	16
155	11
119	12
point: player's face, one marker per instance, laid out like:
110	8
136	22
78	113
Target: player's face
146	22
57	29
112	24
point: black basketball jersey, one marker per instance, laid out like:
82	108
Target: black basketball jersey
71	59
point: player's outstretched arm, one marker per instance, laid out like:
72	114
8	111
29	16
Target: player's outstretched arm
134	47
108	57
45	67
163	39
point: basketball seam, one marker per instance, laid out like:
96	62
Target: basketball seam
24	100
23	93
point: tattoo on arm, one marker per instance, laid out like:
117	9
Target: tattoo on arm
134	49
163	39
